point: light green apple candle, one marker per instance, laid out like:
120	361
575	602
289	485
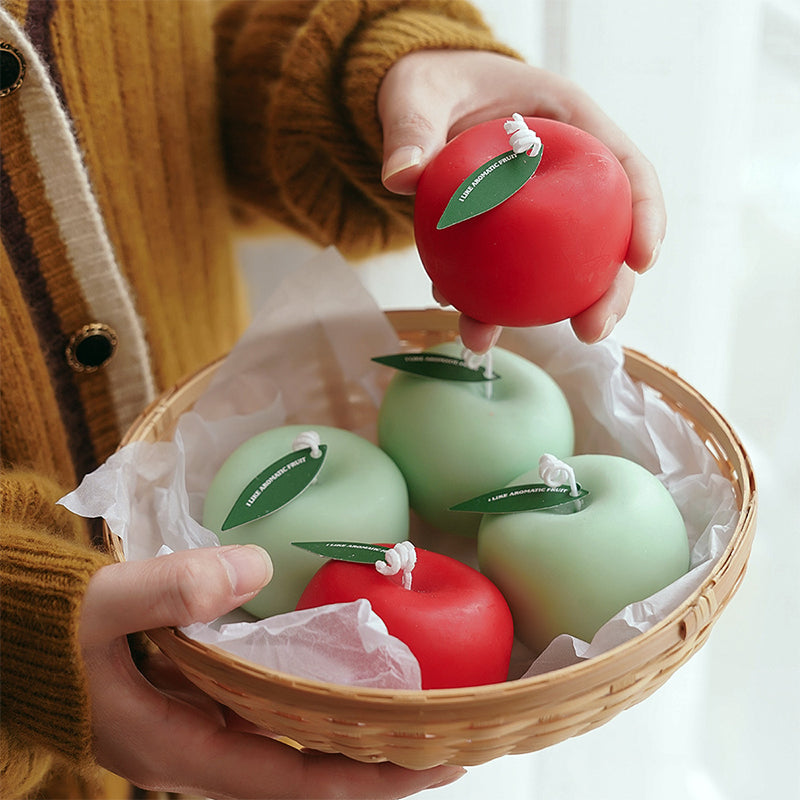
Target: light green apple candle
571	568
356	493
453	439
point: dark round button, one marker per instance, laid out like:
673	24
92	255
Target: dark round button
12	69
91	347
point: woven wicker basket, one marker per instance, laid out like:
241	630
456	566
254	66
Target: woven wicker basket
419	729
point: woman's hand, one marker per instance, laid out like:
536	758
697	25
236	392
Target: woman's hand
160	732
429	96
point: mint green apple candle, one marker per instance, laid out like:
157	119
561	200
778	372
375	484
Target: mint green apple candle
300	483
455	435
569	568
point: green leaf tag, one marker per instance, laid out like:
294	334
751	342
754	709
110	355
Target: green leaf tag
436	365
274	487
526	497
356	552
491	184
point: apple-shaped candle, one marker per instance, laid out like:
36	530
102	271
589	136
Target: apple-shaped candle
570	568
453	439
523	232
452	618
356	492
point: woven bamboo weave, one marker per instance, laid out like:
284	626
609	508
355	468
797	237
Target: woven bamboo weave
470	726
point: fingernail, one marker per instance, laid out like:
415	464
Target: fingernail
458	772
653	257
402	159
611	322
490	342
249	567
438	297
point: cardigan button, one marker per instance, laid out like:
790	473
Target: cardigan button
12	69
91	347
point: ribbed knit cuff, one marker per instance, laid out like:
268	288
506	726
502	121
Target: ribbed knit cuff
330	174
43	577
403	28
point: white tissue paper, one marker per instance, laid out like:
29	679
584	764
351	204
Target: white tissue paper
346	643
307	355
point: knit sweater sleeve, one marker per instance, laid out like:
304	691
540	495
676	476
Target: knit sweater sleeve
45	568
298	101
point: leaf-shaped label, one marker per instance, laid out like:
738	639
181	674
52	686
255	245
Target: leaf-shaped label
436	365
357	552
526	497
274	487
491	184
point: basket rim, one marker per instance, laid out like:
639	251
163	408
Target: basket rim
668	633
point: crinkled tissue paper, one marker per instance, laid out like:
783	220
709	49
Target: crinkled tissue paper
309	347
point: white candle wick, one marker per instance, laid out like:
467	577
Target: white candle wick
555	472
475	360
522	138
308	439
402	556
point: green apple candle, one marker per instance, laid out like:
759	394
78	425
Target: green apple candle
356	493
453	439
570	568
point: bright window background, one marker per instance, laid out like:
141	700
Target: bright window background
710	91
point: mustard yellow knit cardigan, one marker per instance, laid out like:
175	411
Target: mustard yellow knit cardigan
121	143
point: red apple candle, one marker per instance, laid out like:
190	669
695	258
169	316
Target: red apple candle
523	238
452	618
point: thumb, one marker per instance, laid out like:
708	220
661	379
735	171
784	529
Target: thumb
415	126
177	589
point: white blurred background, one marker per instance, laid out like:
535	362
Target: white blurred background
710	91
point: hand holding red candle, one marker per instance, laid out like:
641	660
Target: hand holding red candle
454	90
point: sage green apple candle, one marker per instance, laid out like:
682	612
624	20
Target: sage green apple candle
565	572
453	439
358	494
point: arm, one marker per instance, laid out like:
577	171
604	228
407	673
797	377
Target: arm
155	728
45	569
73	694
298	99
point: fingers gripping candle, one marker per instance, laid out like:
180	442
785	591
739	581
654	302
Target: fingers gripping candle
359	495
571	568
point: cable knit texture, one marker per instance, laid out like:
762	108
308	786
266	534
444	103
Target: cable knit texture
161	111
